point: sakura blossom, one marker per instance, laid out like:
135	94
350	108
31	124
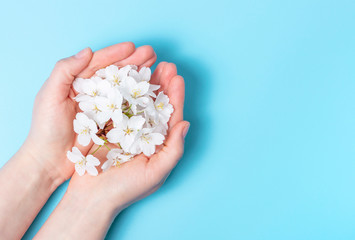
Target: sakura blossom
86	129
83	164
126	131
116	157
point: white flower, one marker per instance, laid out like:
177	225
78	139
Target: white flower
91	109
161	109
143	74
135	92
90	88
116	157
145	142
86	129
110	106
82	163
124	133
114	75
154	123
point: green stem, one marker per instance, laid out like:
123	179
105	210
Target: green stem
127	109
96	150
128	114
107	147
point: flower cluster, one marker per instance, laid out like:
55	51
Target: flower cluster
120	107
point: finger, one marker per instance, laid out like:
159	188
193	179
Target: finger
155	79
167	74
176	93
165	160
149	63
107	56
65	71
139	57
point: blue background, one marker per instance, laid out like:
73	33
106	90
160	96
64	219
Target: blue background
270	96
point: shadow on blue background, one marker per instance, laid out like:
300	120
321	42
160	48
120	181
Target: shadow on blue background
197	95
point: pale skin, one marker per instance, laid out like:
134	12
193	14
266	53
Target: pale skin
90	203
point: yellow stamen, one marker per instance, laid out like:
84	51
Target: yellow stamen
160	106
96	109
112	106
116	80
82	162
146	138
116	162
85	131
136	93
128	131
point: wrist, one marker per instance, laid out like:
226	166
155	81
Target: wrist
25	187
78	216
93	197
36	166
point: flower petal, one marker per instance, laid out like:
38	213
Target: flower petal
106	165
92	170
92	161
79	169
145	74
97	140
136	122
73	157
113	136
78	127
84	139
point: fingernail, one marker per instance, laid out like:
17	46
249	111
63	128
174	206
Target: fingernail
82	53
186	130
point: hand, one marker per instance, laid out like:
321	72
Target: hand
133	180
51	134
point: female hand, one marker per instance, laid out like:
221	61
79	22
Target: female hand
51	134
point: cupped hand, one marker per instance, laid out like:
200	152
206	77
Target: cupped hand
120	186
51	134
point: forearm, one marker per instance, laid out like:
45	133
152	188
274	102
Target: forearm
78	218
24	188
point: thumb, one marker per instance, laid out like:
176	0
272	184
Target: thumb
66	69
173	150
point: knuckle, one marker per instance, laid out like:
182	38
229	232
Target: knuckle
177	153
61	63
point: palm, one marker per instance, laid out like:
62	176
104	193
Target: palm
142	175
51	127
